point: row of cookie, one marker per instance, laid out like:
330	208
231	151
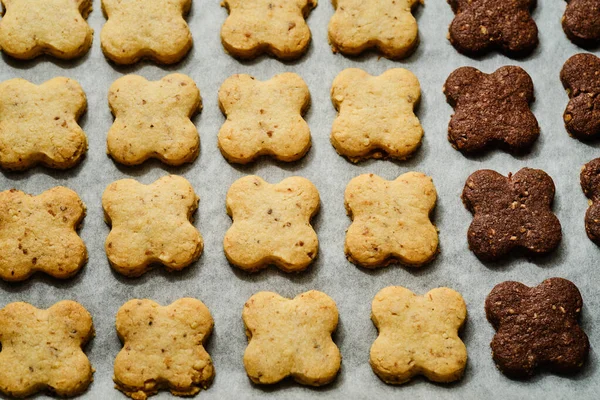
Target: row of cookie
418	335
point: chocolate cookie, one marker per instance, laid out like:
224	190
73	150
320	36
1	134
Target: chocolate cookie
537	327
491	109
581	21
513	212
590	183
481	25
580	75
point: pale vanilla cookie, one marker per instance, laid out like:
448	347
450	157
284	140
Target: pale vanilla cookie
152	120
151	224
163	348
271	224
376	114
275	27
390	220
41	350
291	338
153	29
38	123
38	233
418	335
387	25
264	118
55	27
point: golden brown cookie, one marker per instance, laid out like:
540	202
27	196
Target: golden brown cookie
271	224
151	224
163	348
418	335
41	350
376	114
390	220
152	120
291	337
37	233
38	123
264	118
153	29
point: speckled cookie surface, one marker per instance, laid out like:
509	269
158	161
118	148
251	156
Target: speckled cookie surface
152	120
275	27
42	349
390	220
387	25
264	118
151	224
271	224
590	183
163	348
581	21
38	123
37	233
376	114
153	29
55	27
418	335
291	337
537	327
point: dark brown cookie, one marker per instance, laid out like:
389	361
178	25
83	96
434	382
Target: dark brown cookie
481	25
581	21
590	183
580	75
491	109
537	327
513	212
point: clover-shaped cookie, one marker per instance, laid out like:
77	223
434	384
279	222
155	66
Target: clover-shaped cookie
152	120
55	27
387	25
42	349
38	123
390	220
491	109
153	29
580	75
271	224
581	21
480	25
37	233
151	224
376	114
418	335
537	327
291	337
590	183
163	348
509	213
275	27
264	118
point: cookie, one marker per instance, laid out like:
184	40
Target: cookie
264	118
291	337
38	124
482	25
38	233
55	27
274	27
271	224
580	75
152	29
42	349
151	224
510	213
152	120
581	21
376	114
163	348
386	25
491	109
537	327
590	183
418	335
390	220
